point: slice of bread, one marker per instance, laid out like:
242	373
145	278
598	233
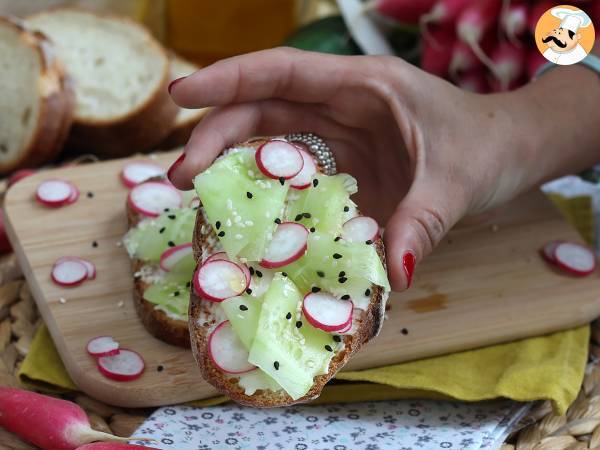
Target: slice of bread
37	98
203	319
121	74
186	119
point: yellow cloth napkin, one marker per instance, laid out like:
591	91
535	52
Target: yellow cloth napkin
548	367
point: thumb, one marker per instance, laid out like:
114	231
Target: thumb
419	223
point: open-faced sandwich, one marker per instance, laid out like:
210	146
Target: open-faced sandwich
290	279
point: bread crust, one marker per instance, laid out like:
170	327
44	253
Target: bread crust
139	130
202	322
56	107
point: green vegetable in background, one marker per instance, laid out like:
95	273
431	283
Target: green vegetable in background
328	35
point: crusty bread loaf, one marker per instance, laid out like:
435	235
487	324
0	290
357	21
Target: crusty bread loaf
121	74
37	98
202	321
186	119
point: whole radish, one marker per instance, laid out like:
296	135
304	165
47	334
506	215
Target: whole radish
474	81
508	64
437	51
535	60
444	12
47	422
474	22
405	11
111	446
462	59
514	20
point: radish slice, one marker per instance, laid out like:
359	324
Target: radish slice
222	256
102	346
151	198
55	193
219	280
305	176
547	251
288	244
360	229
226	350
137	172
91	268
279	159
348	327
326	312
173	255
125	366
575	258
69	272
194	203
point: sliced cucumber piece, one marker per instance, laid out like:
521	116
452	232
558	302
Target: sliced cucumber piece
243	313
241	203
322	206
169	296
256	379
292	356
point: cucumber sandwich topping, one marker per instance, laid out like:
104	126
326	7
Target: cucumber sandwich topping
290	278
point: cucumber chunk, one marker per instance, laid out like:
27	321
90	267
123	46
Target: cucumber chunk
290	355
169	296
241	203
244	320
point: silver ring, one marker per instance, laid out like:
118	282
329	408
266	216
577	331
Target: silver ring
318	148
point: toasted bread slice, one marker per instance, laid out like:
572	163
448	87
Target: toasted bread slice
203	319
37	98
121	75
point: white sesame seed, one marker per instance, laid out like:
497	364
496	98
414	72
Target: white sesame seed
239	237
120	304
62	300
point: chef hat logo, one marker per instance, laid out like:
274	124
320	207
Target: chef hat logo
564	34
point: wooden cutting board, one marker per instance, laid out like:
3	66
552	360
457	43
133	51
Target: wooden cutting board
483	285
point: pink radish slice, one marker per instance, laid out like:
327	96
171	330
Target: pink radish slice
126	366
55	193
226	350
151	198
137	172
326	312
348	327
222	256
288	244
279	159
360	229
173	255
74	194
219	280
304	178
575	258
102	346
69	272
91	268
547	251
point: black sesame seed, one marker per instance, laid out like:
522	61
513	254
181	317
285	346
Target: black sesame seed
162	230
336	256
195	208
277	221
176	293
282	180
90	194
94	244
243	308
368	293
166	210
313	229
315	289
288	316
328	348
221	234
188	284
298	217
299	324
337	239
251	270
276	365
259	274
404	331
248	291
321	273
315	182
284	274
342	274
171	244
307	215
342	279
346	209
337	338
217	224
345	297
160	368
249	194
368	242
172	216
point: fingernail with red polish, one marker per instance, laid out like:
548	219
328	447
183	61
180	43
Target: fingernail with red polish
175	165
408	262
174	82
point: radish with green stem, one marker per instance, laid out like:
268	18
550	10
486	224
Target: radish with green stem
474	22
404	11
48	422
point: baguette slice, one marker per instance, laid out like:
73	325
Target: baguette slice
186	119
37	98
121	75
204	318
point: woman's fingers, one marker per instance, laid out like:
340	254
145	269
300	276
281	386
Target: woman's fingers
226	126
283	73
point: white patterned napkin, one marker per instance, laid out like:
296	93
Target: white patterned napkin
397	425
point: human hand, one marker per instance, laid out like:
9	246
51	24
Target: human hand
424	152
